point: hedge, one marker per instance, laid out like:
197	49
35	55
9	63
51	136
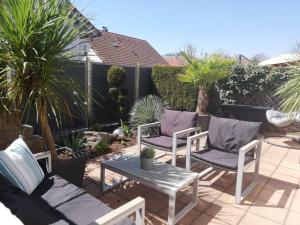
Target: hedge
179	96
247	81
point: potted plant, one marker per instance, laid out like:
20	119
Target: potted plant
146	157
203	72
72	155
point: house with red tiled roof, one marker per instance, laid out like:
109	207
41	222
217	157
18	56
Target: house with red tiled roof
175	59
110	48
117	49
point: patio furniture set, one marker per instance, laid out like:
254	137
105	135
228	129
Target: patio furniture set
230	145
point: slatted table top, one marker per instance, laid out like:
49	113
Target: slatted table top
162	176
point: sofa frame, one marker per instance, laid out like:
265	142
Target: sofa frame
135	206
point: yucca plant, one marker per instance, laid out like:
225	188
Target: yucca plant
147	110
203	73
35	40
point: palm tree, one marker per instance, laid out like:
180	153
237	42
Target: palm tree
203	73
289	92
35	40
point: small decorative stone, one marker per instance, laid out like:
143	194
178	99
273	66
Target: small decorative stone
118	133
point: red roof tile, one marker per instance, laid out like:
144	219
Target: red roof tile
116	49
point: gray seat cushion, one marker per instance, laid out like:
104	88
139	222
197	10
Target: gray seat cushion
220	158
25	207
70	203
230	135
163	142
173	121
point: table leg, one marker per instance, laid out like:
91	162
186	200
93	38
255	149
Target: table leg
171	211
103	177
195	190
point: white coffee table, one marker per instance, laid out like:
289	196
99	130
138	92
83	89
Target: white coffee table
162	177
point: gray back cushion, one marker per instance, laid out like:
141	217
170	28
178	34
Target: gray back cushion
230	135
173	121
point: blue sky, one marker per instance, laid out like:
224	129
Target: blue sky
234	26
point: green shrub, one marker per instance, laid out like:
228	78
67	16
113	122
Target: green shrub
179	96
73	140
102	147
246	81
147	153
125	129
147	110
116	77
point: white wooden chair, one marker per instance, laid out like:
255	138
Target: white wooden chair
231	145
172	132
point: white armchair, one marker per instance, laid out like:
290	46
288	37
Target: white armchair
225	159
174	128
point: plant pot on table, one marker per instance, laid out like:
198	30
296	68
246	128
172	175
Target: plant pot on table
71	165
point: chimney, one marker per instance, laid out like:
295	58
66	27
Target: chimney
105	29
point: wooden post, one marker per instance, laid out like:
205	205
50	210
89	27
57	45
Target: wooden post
88	90
137	81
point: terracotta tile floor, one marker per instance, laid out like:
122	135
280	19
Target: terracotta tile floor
275	200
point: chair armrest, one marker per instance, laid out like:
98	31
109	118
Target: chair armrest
248	147
149	125
189	147
197	136
137	206
47	156
186	131
139	131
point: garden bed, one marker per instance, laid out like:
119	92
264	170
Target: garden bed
93	143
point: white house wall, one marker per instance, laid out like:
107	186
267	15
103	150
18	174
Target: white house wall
82	49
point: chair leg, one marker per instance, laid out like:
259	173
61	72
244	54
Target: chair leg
174	149
239	179
139	139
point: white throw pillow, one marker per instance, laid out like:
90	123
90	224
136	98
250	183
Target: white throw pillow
19	166
7	218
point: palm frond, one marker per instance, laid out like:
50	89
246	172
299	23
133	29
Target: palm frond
203	72
35	40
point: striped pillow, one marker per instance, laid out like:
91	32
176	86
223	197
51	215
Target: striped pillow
19	166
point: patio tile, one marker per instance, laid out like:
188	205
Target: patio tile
289	172
202	204
276	198
285	178
93	189
295	166
94	174
113	200
155	201
205	219
91	165
269	211
189	218
209	194
295	206
225	212
297	192
293	218
251	219
229	199
131	190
